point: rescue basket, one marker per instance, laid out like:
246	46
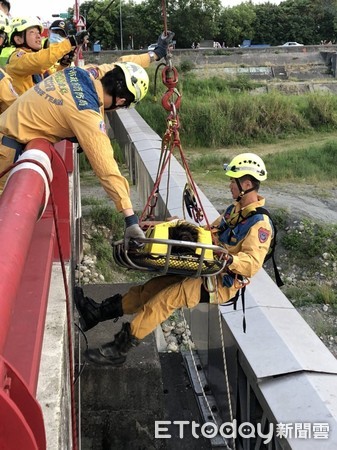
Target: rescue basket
158	253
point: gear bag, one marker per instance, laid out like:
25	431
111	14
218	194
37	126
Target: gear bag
270	255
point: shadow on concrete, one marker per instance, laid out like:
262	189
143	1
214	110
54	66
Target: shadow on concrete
119	406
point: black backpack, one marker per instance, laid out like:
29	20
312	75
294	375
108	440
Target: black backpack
271	251
270	255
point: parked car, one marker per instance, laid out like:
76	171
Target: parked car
291	44
152	46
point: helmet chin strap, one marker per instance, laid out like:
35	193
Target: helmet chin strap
242	192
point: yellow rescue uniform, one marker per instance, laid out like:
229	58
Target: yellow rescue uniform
7	92
67	105
157	299
27	68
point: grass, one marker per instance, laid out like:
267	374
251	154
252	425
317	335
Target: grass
107	216
217	112
92	201
309	164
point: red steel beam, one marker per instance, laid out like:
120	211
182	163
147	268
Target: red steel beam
21	205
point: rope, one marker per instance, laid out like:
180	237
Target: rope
81	366
163	5
226	372
68	311
171	102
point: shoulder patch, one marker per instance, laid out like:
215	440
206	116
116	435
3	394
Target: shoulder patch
93	71
263	234
19	54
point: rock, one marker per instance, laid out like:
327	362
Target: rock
167	328
172	347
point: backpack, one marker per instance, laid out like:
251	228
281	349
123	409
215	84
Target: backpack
270	255
271	251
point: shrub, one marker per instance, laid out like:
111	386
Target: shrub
186	66
108	217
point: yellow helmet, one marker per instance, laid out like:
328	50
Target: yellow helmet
4	23
137	79
20	24
247	164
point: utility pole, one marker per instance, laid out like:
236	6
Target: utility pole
79	22
121	23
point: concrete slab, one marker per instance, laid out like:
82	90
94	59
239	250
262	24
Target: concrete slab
119	405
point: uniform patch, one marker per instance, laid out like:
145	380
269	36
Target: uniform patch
19	54
93	71
263	234
102	127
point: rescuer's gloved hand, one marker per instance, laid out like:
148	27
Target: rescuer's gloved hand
80	38
163	43
132	230
67	59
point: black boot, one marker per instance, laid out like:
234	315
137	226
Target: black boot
114	353
91	313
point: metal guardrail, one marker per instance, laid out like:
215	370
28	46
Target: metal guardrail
280	371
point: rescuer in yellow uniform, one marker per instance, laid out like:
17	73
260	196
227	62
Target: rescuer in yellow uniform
29	62
246	236
70	104
57	33
7	92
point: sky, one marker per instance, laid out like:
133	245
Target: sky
47	8
38	8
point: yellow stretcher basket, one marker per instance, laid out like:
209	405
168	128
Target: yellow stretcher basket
157	253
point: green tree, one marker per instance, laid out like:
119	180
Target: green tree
267	27
305	21
101	22
237	24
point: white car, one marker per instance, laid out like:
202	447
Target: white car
291	44
152	46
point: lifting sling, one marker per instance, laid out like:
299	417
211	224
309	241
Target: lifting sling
203	258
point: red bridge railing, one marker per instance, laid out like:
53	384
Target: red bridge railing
28	249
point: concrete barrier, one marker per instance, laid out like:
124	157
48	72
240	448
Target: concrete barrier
280	371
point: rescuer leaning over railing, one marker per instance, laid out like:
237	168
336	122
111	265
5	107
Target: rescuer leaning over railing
70	104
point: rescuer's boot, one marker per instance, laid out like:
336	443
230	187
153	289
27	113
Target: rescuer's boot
114	353
91	313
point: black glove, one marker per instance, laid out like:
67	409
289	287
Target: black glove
80	38
132	230
67	59
164	41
